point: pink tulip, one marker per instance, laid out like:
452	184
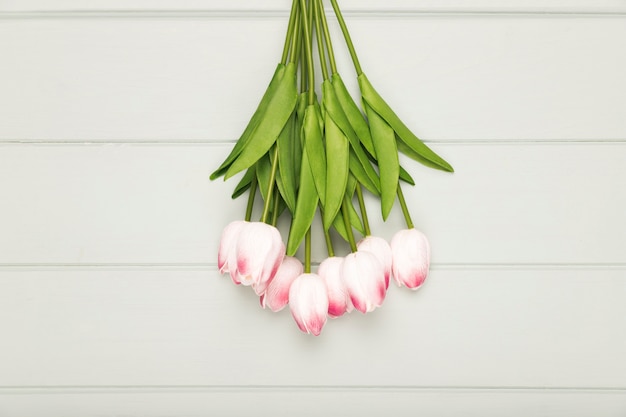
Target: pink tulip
276	296
411	258
338	298
227	254
381	249
308	301
260	251
364	276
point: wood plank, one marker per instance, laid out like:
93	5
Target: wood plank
476	327
472	77
450	6
154	204
289	402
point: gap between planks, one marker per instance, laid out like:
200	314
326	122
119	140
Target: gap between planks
158	389
212	267
616	12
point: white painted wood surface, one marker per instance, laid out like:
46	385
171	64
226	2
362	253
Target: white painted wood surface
112	115
469	327
315	402
350	6
154	204
199	79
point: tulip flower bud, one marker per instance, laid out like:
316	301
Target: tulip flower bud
308	301
364	276
227	254
381	249
276	296
411	258
338	298
260	251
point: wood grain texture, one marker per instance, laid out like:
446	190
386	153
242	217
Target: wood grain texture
200	79
154	204
472	327
113	114
310	403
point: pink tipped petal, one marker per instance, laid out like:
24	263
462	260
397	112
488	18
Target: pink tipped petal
338	298
272	264
228	242
308	302
411	258
262	300
276	296
364	276
259	253
234	275
381	249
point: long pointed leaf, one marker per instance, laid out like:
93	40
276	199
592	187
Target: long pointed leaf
337	169
405	149
406	177
263	173
353	113
355	220
337	114
245	182
357	170
314	145
376	102
305	207
274	119
297	155
286	164
254	121
387	159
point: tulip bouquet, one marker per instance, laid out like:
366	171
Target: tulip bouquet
302	154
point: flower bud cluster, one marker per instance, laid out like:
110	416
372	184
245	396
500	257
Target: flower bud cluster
253	254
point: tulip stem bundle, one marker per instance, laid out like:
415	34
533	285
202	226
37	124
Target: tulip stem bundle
304	156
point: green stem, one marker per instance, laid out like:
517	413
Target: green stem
366	223
309	52
251	197
329	243
347	37
270	186
297	38
346	222
303	72
290	31
275	209
329	44
405	210
307	252
320	39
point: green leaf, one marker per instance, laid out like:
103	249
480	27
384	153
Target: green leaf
300	110
272	122
263	173
337	169
355	220
314	146
306	205
245	183
353	114
387	159
336	112
406	177
254	121
376	102
404	148
286	163
357	170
